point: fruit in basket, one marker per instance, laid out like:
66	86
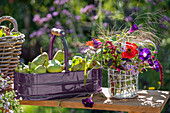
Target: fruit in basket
18	68
78	64
39	60
40	68
54	66
25	69
93	64
22	68
59	56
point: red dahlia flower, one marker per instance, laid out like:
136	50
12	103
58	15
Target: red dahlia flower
130	50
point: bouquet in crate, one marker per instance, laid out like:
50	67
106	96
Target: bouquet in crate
125	54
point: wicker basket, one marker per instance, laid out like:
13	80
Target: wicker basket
10	49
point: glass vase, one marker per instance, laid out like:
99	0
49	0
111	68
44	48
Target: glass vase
122	84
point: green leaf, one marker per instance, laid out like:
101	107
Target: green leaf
85	79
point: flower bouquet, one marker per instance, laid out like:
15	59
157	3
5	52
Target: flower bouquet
125	54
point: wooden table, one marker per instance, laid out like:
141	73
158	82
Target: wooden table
148	101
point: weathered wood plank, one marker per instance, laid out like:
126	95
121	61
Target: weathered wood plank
146	102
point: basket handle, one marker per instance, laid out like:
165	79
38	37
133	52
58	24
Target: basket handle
12	20
62	34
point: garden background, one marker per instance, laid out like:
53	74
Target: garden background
86	19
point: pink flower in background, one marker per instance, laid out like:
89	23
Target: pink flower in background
49	16
36	18
77	17
105	24
87	9
55	13
52	8
128	19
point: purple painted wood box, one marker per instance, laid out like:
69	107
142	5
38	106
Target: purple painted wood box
57	85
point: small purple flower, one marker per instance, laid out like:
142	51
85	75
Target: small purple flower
133	28
84	50
156	67
33	34
166	18
118	51
87	9
36	18
144	54
155	52
128	19
52	8
55	13
49	16
79	35
77	17
94	17
135	72
105	24
88	102
109	63
68	22
66	12
96	43
163	26
71	31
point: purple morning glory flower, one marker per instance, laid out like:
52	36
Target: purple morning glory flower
88	102
150	62
156	67
144	54
133	28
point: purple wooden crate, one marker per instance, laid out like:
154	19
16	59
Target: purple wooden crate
56	85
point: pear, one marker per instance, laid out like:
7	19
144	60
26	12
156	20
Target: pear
40	68
54	66
24	68
54	62
39	60
82	66
93	64
17	68
78	63
59	56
